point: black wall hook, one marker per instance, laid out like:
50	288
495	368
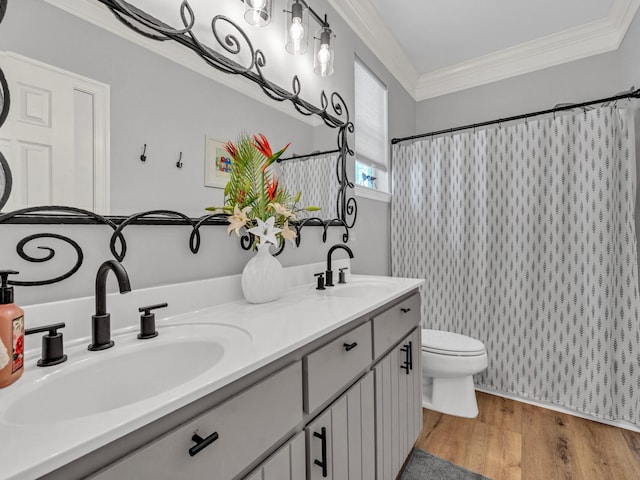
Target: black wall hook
179	162
143	157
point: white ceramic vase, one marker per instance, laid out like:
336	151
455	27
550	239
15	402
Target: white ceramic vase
262	277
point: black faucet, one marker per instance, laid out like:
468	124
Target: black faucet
329	273
101	321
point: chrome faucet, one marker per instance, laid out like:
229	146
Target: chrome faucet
101	321
329	273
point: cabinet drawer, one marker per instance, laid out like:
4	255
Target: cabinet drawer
247	426
392	325
334	365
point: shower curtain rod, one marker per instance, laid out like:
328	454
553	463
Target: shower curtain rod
308	155
632	94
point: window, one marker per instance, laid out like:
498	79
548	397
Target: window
371	134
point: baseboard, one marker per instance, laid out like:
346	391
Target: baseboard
549	406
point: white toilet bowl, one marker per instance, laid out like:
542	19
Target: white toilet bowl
449	361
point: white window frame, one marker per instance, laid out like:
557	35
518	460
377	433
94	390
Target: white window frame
380	189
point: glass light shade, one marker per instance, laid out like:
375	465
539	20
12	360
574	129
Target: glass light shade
296	28
323	52
257	12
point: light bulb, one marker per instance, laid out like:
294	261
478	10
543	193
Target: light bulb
296	32
324	56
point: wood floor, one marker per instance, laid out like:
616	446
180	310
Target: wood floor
512	440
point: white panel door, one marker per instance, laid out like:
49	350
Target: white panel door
56	137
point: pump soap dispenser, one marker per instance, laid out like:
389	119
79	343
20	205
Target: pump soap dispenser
11	332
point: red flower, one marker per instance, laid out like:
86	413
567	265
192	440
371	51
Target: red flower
231	149
272	188
262	144
19	345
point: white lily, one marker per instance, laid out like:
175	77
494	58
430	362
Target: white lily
266	231
288	233
282	210
238	219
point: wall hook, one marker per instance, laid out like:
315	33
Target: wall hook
143	157
179	162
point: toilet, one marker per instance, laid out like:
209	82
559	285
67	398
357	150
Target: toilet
449	361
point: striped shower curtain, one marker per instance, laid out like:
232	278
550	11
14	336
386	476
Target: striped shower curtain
525	236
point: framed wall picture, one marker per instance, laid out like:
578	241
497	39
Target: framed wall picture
217	163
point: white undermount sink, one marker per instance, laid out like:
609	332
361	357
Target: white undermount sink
359	288
133	370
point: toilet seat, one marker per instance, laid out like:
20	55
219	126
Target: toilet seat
449	343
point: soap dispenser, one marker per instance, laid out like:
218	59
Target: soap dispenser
11	333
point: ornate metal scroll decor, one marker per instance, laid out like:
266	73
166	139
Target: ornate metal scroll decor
6	181
117	241
235	43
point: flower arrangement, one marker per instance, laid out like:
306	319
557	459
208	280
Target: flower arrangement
253	197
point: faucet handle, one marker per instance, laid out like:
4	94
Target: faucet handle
52	346
320	280
341	275
148	321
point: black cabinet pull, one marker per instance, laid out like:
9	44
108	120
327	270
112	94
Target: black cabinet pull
350	346
408	362
322	463
202	443
405	310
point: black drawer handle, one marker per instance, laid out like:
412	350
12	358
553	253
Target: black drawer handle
408	362
405	310
322	463
202	443
350	346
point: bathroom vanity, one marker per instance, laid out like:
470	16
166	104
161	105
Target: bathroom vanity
319	384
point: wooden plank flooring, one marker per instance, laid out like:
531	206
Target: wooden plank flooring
512	440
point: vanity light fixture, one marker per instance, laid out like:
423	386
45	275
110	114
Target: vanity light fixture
297	27
323	51
257	12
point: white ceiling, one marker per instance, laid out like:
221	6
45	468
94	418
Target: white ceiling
434	47
439	33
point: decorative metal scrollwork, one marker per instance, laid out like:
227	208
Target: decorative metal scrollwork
49	256
6	181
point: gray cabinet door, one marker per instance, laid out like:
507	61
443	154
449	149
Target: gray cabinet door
398	405
341	441
285	464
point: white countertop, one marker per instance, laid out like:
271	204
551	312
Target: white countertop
275	329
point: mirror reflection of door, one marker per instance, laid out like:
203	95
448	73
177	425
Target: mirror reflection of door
56	138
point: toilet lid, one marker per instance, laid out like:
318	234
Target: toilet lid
449	343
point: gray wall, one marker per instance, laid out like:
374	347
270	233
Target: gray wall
184	107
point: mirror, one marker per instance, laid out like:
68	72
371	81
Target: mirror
147	124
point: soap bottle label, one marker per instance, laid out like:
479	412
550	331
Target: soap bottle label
17	358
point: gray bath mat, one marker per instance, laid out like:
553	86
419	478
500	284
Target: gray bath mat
424	466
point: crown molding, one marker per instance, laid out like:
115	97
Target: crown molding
365	21
99	15
592	38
